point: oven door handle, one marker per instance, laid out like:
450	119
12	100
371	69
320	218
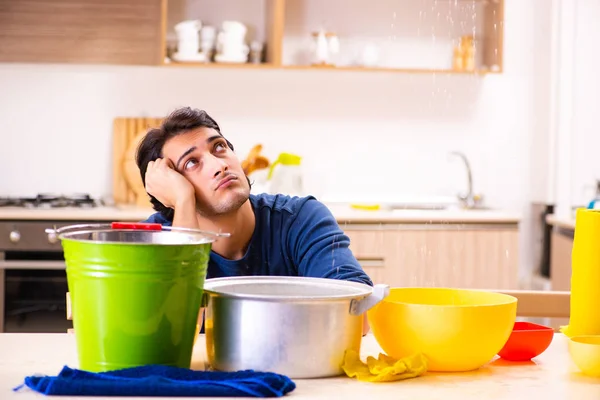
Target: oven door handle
32	264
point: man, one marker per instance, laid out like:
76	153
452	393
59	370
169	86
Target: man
195	180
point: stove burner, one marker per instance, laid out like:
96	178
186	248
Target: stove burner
48	200
7	201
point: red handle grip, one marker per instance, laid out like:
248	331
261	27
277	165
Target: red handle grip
145	226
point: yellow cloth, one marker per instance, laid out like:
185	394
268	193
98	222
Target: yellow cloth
383	368
585	275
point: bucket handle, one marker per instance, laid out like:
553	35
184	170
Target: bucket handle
358	307
146	226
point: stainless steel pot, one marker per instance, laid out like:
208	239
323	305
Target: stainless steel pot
296	326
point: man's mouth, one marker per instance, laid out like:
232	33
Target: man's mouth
226	182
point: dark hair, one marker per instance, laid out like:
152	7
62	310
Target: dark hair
150	148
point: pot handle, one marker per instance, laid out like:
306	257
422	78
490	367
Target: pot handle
204	300
358	307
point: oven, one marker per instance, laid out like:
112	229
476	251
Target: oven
32	270
33	281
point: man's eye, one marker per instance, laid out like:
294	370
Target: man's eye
220	146
190	163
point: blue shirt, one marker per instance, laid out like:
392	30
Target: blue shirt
293	236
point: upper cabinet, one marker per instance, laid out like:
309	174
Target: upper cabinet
81	31
449	36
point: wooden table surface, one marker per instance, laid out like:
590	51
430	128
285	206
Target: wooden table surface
549	376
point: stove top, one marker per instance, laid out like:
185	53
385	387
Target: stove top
48	200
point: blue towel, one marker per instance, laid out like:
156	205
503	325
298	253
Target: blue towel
159	380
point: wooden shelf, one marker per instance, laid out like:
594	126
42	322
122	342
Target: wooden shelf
320	68
417	38
220	65
393	70
264	20
290	23
421	35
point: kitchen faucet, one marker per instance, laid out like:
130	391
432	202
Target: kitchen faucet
468	200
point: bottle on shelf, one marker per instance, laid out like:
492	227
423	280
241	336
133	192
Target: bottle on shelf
464	55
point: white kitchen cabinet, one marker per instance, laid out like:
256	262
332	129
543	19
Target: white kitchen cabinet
481	256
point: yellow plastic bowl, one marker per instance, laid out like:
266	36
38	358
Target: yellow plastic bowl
585	353
456	329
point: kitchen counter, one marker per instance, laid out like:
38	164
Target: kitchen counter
551	375
101	213
343	214
565	223
346	214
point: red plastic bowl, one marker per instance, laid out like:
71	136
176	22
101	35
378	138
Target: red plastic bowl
527	340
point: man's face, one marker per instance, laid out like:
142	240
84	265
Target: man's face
203	157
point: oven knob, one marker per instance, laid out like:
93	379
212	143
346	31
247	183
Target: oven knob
15	236
52	238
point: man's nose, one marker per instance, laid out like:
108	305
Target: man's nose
219	166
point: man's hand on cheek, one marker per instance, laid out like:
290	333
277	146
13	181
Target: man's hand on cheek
166	184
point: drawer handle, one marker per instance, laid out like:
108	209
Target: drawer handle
377	262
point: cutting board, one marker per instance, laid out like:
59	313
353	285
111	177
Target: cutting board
127	182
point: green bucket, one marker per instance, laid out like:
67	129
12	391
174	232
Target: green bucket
136	291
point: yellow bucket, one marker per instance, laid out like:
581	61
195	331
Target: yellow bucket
456	329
